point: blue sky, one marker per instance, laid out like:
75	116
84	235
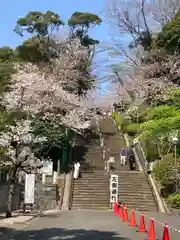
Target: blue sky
11	10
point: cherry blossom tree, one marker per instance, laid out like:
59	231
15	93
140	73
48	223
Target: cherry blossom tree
36	92
16	154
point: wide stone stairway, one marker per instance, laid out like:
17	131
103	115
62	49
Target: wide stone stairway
91	191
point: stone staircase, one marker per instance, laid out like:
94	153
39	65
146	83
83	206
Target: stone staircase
135	192
113	141
91	191
93	157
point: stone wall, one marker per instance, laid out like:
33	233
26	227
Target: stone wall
17	198
46	196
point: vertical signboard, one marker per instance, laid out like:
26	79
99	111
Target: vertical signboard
29	189
114	188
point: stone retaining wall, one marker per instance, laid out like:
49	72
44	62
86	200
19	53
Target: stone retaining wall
4	197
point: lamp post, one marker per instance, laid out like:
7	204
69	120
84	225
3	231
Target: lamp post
175	141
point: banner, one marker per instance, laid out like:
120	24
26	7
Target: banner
29	189
114	188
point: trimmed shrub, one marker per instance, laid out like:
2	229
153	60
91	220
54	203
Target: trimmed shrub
150	149
174	200
164	172
132	129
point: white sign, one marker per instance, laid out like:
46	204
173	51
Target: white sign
29	189
114	188
47	168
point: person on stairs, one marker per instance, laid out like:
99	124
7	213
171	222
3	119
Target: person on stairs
131	158
76	170
110	164
123	157
132	162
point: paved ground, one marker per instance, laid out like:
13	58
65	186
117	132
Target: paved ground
82	225
159	220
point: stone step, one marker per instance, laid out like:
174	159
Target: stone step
138	201
94	197
131	186
131	191
92	175
91	200
78	191
142	209
92	178
86	204
99	186
130	174
90	190
92	181
94	189
88	207
133	202
134	181
92	184
122	185
131	177
137	194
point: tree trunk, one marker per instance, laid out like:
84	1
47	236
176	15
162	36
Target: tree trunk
10	198
12	182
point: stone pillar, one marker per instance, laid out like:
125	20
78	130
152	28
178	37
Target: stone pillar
55	175
43	178
67	192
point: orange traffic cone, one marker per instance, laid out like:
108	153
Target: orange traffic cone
121	212
142	227
116	208
151	232
125	213
166	232
132	222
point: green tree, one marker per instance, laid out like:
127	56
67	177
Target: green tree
38	23
8	118
7	58
57	137
164	172
6	54
169	37
35	50
161	112
41	26
80	23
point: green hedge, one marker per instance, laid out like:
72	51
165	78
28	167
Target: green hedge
132	129
174	200
164	172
